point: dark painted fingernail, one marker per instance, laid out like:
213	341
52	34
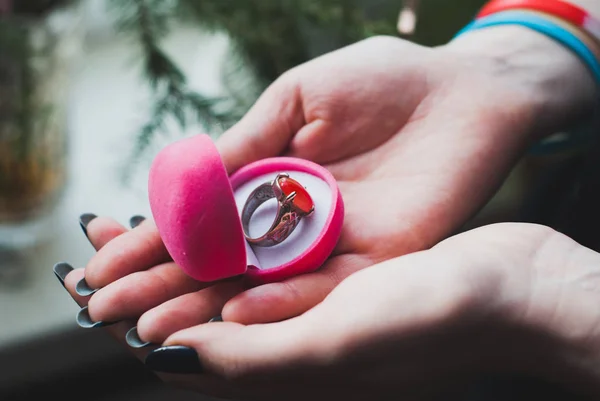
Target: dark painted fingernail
174	359
136	221
84	220
61	270
133	339
84	320
83	288
216	319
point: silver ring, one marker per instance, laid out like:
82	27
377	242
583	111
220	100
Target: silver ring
293	204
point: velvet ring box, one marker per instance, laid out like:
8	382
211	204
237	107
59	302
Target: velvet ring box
197	209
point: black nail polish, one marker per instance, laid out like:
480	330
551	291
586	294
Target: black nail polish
83	288
61	270
216	319
136	221
84	320
174	359
84	220
133	339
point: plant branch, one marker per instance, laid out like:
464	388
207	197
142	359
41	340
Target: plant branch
149	20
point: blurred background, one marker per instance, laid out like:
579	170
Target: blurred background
89	91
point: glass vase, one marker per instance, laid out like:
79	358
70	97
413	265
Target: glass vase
36	61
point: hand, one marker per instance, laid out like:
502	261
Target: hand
418	139
513	298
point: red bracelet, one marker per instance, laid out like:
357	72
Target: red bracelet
566	11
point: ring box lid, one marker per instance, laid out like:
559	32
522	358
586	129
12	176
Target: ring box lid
194	209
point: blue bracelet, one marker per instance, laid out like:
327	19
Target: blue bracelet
544	26
581	137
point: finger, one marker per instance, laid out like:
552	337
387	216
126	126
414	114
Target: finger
134	294
322	142
314	142
130	252
101	230
267	128
116	328
188	310
283	300
307	347
71	281
237	352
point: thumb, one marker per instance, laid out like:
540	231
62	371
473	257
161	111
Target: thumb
237	352
268	127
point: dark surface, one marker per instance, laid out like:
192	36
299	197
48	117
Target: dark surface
566	197
80	365
88	364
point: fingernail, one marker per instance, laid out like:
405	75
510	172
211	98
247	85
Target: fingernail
84	320
136	221
216	319
61	270
83	288
174	359
133	339
84	220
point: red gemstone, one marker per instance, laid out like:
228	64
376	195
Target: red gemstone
302	201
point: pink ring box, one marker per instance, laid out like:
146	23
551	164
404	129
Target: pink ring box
197	209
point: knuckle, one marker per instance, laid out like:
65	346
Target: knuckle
381	40
233	370
150	330
287	81
96	308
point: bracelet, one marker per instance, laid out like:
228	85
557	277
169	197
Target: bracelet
544	26
561	9
584	36
572	36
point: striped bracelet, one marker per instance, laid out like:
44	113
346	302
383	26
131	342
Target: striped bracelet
546	26
579	41
558	8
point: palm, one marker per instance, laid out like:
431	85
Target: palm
382	117
402	159
423	318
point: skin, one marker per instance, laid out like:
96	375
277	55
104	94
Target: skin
442	140
502	298
444	316
422	136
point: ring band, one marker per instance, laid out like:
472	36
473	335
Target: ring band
293	204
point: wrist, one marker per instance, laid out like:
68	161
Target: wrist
538	315
556	85
551	349
543	319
